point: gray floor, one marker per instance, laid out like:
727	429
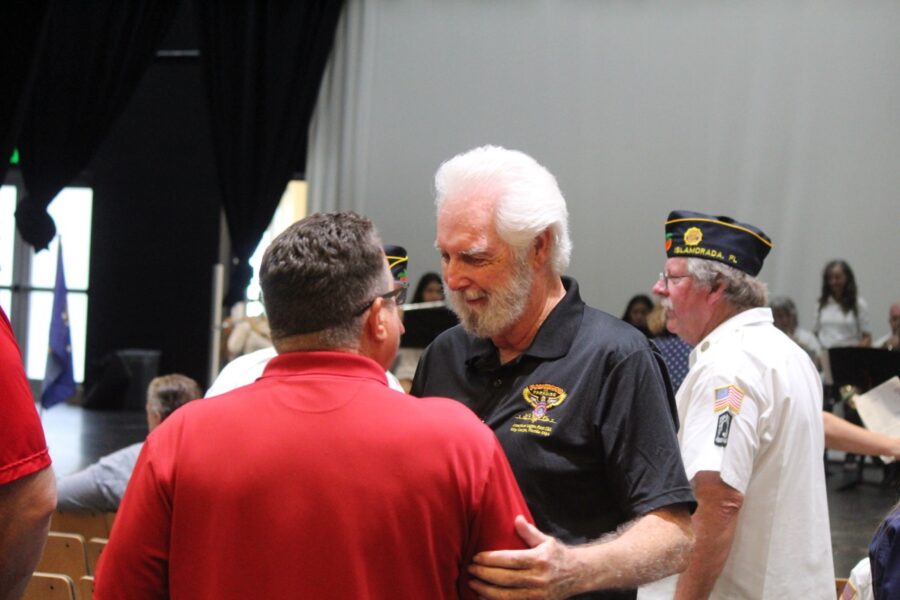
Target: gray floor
856	512
78	437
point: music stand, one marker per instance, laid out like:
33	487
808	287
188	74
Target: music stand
863	368
423	325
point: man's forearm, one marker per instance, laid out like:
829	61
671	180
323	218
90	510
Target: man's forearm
715	523
26	506
651	547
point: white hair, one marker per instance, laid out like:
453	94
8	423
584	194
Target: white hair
528	198
741	289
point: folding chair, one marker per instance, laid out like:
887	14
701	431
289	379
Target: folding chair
86	524
110	518
86	588
49	586
65	554
94	547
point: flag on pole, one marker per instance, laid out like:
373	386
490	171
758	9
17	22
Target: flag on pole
59	378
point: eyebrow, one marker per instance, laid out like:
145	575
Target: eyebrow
474	251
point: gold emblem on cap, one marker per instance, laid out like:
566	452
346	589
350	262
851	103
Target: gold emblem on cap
693	236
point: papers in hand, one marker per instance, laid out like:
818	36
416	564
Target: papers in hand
879	409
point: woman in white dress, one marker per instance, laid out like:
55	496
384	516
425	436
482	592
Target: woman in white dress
843	317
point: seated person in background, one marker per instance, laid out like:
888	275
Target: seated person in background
317	480
784	311
100	487
891	341
675	351
636	312
249	335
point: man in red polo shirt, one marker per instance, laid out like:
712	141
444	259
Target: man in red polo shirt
317	480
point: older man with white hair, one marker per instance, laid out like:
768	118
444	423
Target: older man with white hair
580	401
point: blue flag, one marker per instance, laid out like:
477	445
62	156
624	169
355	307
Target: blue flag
59	379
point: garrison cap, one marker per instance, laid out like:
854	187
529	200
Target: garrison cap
696	235
398	261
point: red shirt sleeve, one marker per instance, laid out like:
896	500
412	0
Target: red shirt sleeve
494	525
23	449
135	563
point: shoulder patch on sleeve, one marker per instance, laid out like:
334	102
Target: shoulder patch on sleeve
727	403
723	427
728	398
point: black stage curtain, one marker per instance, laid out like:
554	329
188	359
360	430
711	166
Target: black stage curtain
263	64
91	61
21	28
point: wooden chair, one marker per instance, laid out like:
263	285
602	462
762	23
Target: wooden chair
49	586
64	553
94	547
86	588
86	524
110	518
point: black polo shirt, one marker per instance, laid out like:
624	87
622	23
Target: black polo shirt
586	416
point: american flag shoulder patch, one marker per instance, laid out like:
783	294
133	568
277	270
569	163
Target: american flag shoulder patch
728	398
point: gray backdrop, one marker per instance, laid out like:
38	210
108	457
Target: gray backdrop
783	114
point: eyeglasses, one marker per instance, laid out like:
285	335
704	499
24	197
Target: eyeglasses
398	294
667	278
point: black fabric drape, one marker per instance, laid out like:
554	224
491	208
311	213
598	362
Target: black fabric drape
89	65
263	63
21	29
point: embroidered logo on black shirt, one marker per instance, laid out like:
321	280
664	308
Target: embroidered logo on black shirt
542	397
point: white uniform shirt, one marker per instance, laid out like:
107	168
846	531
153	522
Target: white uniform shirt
246	369
836	328
859	584
751	410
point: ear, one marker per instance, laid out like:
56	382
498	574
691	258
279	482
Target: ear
153	418
376	322
541	247
716	293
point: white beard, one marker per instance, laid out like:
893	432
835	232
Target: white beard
503	308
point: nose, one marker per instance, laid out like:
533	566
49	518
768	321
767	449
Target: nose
659	288
454	275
